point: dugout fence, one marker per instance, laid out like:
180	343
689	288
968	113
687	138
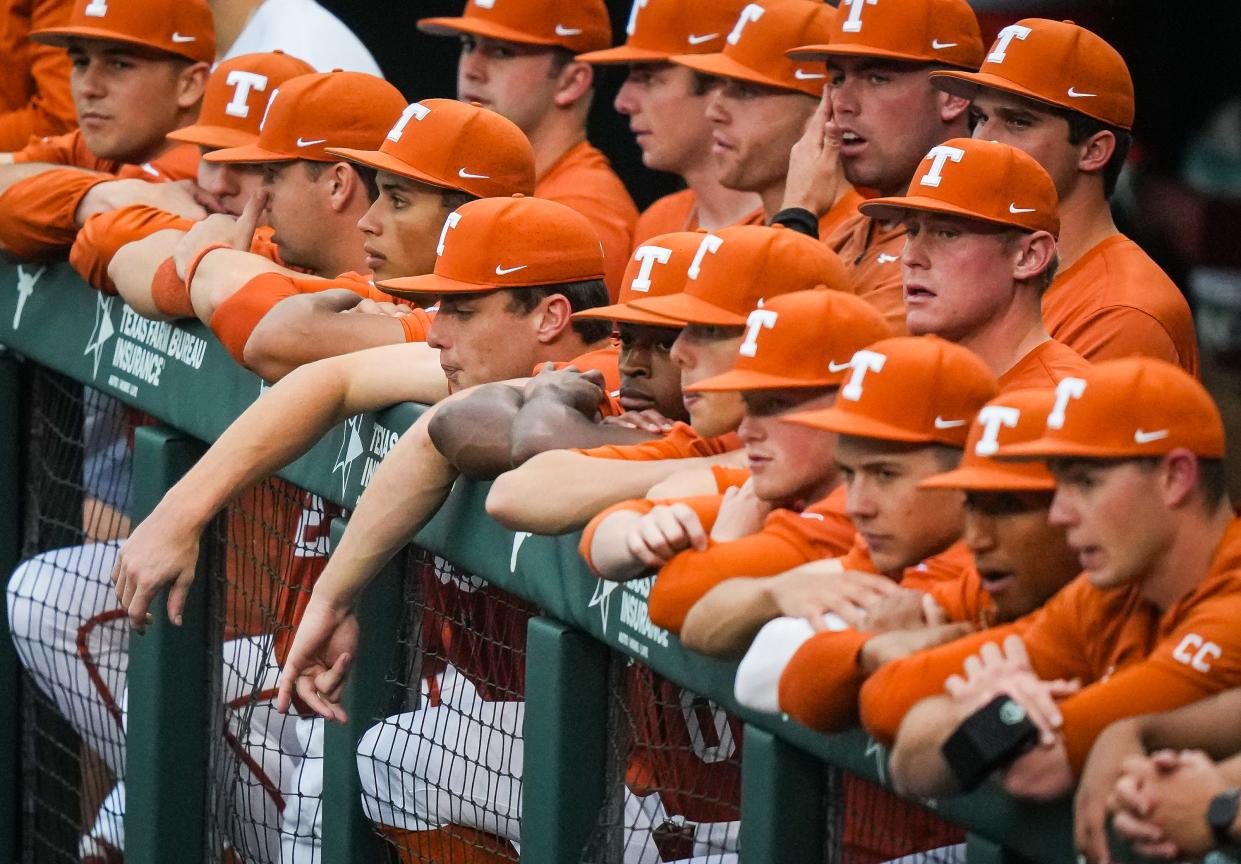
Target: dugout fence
205	768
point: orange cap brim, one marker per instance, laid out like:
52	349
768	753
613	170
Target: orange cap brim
690	310
720	66
967	85
420	286
994	478
217	137
475	27
749	379
852	49
845	423
1050	448
623	54
891	210
59	37
387	162
249	154
627	314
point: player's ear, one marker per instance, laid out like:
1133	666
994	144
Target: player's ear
552	318
951	107
573	83
191	83
1178	477
345	185
1035	252
1096	152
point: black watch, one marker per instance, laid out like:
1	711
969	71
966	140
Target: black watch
990	738
1221	814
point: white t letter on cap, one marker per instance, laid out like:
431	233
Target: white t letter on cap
1066	391
1002	41
863	361
758	320
649	256
485	4
711	244
243	84
449	224
938	155
853	23
638	6
749	14
96	8
991	418
413	111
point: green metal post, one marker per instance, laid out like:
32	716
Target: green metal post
565	734
10	553
348	835
169	698
782	814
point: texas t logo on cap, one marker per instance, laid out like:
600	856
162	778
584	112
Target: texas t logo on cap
938	156
759	320
863	361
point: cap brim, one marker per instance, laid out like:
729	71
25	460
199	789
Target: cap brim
250	154
217	137
721	66
990	479
381	161
967	85
851	49
623	54
626	314
748	379
1050	448
420	286
475	27
59	37
846	423
689	310
892	210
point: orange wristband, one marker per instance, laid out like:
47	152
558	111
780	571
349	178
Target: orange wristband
197	259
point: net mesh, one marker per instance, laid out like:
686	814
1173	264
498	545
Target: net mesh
867	824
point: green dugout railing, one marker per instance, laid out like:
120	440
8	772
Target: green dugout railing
180	375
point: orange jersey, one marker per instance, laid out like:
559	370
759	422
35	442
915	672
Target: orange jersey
842	211
821	682
680	443
1043	367
34	78
583	179
677	212
607	361
787	539
872	255
1116	302
1133	657
178	162
104	234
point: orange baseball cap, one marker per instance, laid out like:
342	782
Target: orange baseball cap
181	27
658	268
310	113
919	31
1013	417
236	94
660	29
982	180
453	145
1056	62
576	25
735	268
909	388
755	49
803	339
516	242
1127	409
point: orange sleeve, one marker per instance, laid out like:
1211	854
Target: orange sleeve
727	477
1199	658
858	557
786	540
37	214
235	319
706	506
67	149
49	109
416	324
179	162
1122	331
820	685
105	233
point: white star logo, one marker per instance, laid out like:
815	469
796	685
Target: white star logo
102	331
518	538
25	287
350	449
603	599
876	751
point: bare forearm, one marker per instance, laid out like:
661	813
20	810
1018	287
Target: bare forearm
1208	725
545	424
12	172
609	551
728	617
221	273
132	269
917	765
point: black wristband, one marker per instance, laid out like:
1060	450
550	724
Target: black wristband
990	738
798	219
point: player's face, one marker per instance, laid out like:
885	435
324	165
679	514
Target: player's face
126	98
648	377
790	464
296	204
1028	126
232	184
701	352
514	80
402	227
753	128
888	114
1022	558
901	524
957	275
481	339
1114	517
667	116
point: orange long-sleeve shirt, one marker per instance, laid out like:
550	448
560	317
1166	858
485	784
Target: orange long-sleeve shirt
871	252
34	78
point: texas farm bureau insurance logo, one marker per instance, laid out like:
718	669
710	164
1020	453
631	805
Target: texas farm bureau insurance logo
363	445
637	632
138	349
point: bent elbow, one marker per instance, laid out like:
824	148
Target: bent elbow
503	501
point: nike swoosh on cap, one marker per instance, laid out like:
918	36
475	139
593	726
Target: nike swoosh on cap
941	423
302	142
885	258
177	37
562	30
802	75
1078	95
698	40
1014	209
504	271
833	366
940	46
1140	437
466	175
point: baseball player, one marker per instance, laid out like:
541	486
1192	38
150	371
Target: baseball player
138	73
517	58
1064	95
666	106
34	84
1136	448
880	120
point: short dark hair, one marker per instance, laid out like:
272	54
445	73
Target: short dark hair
455	198
587	294
561	57
948	457
1082	127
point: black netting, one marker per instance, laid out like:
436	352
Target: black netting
674	787
441	773
68	634
867	824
